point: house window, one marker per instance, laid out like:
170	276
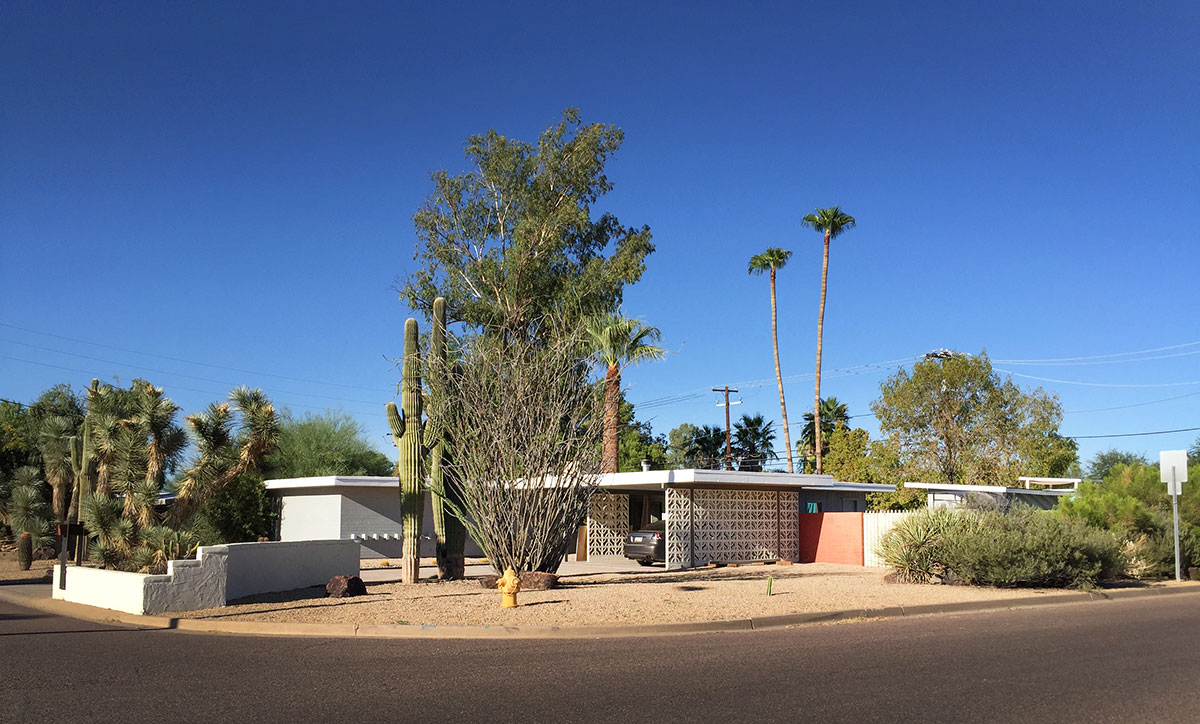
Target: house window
850	505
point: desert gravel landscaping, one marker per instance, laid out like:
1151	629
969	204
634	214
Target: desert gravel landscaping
10	570
633	597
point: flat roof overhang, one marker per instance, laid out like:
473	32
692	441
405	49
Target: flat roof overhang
333	481
650	480
956	488
731	479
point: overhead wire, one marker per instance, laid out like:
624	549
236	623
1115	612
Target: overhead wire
302	405
188	361
176	374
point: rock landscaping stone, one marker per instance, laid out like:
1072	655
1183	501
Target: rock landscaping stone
345	586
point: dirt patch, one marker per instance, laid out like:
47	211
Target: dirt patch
10	570
615	598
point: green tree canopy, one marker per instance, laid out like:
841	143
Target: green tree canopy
329	443
1105	460
514	238
959	422
638	442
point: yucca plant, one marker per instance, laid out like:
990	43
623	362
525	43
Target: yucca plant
25	512
136	442
916	547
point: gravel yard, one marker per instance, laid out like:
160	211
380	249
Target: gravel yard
624	597
10	570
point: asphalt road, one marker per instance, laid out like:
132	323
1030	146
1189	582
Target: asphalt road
1121	661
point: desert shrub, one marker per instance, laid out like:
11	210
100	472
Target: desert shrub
916	547
1020	547
1027	547
1143	527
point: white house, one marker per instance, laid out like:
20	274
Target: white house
710	515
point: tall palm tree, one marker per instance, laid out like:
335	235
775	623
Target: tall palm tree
755	442
831	222
619	342
770	260
832	414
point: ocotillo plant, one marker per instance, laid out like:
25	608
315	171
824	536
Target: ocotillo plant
406	431
449	530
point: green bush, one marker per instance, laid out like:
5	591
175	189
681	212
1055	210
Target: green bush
1021	547
1027	547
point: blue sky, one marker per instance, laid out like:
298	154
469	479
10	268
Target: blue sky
230	188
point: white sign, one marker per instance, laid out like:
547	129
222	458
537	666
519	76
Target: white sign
1177	459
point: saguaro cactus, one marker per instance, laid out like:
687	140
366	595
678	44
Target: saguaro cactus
449	530
406	431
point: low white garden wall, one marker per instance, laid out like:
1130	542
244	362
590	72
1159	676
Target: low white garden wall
217	575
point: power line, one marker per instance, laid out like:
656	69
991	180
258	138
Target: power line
1100	361
1133	434
1136	404
188	361
1096	356
302	405
1097	384
175	374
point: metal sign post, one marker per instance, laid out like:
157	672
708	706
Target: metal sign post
1172	470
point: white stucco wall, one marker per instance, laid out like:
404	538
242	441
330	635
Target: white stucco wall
278	566
308	515
117	590
218	575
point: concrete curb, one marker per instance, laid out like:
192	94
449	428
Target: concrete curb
764	623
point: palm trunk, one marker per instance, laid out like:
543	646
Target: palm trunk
610	461
820	331
787	436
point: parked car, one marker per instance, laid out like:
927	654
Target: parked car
648	544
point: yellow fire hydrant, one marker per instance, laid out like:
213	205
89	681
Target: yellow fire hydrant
508	584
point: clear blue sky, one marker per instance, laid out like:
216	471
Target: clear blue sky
230	185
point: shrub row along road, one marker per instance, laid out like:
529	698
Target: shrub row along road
1122	661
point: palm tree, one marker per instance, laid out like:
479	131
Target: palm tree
619	342
832	414
831	222
772	259
754	441
707	447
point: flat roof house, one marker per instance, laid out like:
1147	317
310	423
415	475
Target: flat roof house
723	516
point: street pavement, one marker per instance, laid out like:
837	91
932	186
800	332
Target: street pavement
1135	660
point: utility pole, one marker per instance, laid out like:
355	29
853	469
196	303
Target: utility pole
728	439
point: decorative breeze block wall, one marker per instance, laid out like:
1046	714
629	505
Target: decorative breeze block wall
608	524
731	526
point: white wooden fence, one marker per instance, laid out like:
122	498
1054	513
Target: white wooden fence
876	524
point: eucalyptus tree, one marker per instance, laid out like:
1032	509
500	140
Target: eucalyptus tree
770	260
514	240
754	440
619	342
831	223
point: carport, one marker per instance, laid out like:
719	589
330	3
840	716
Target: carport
717	516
